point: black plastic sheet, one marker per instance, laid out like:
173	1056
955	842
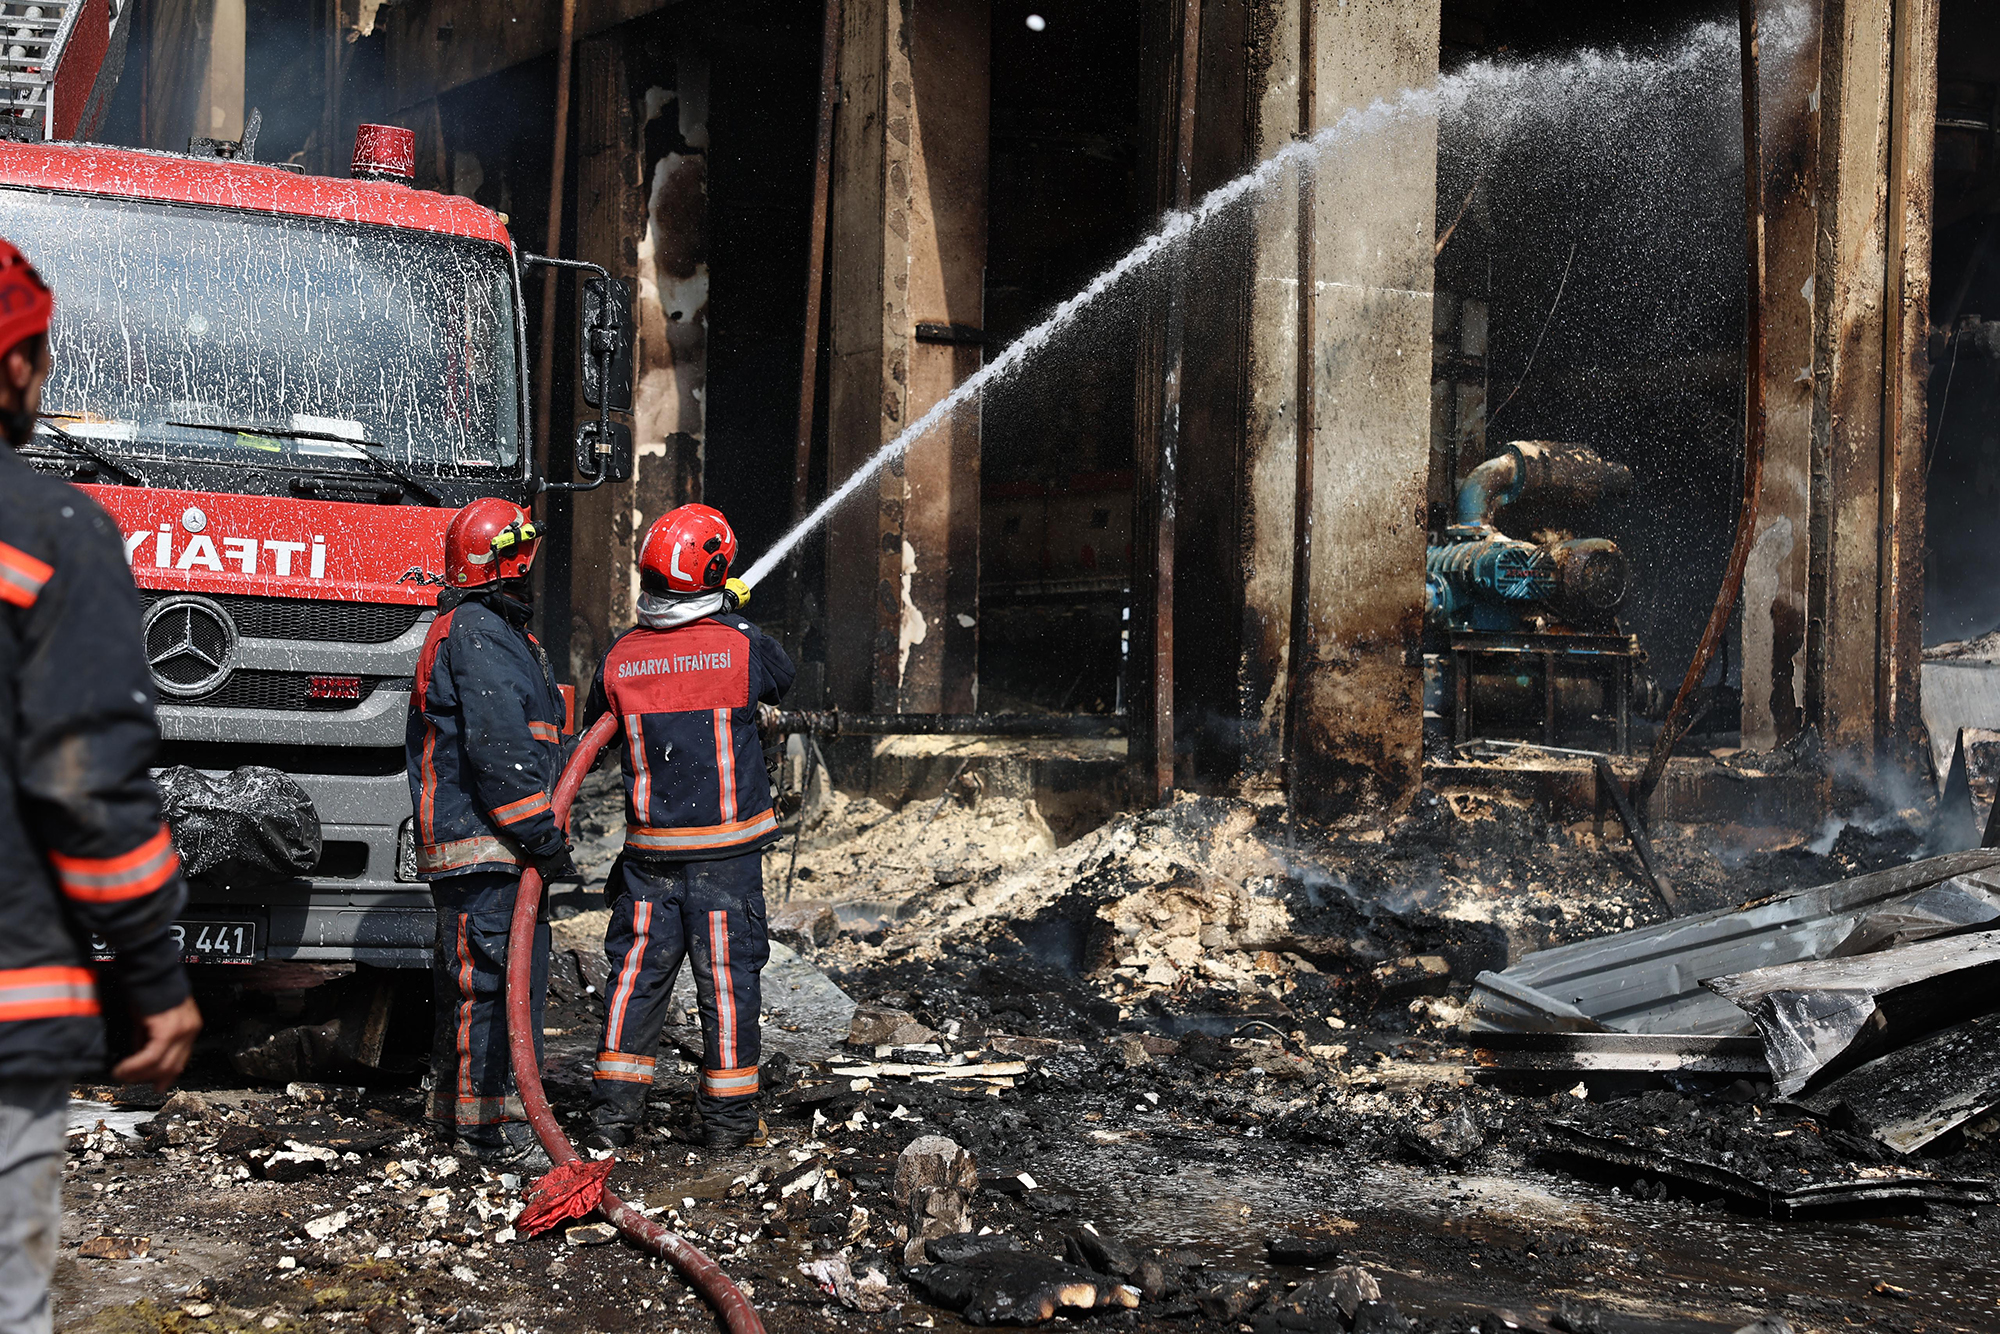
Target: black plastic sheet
251	825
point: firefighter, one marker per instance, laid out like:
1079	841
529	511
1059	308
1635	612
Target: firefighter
82	849
484	748
684	685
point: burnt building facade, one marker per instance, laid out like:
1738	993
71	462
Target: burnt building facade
1208	499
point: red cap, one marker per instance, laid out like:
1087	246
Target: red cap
25	300
385	152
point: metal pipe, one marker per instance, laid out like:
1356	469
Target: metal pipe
1635	829
545	365
1299	650
828	723
1753	423
829	97
1161	722
1545	469
702	1273
1486	488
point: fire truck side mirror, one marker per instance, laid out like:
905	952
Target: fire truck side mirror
604	449
605	343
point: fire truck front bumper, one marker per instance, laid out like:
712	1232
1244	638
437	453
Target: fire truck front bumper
362	904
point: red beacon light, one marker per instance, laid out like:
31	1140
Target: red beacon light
385	153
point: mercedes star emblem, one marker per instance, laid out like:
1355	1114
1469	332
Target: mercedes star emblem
188	644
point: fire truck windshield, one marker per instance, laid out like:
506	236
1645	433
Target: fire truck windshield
172	321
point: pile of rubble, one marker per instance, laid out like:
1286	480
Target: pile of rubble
1214	910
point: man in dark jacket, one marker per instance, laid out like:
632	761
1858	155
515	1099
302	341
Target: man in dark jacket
484	749
685	686
82	849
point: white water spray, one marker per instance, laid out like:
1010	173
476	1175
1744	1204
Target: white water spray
1514	88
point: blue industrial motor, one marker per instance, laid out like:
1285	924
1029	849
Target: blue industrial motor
1481	580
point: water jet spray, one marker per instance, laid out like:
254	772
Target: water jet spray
1515	87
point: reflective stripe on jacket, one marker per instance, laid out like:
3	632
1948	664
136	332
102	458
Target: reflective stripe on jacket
484	743
82	849
686	702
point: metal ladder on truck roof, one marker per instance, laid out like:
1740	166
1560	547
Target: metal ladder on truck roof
51	54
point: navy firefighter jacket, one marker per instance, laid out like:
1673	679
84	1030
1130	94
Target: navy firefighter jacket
484	742
82	849
686	703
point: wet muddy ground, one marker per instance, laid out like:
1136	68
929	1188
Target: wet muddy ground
394	1237
1217	1039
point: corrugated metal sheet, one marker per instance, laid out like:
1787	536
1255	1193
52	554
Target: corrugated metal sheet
1650	980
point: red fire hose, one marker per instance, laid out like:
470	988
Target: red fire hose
702	1273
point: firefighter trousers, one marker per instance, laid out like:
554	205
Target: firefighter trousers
472	1084
33	1116
711	913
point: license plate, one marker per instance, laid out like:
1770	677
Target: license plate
206	942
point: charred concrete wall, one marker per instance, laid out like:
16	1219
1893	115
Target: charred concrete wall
1833	596
193	72
1775	583
1878	98
907	258
444	44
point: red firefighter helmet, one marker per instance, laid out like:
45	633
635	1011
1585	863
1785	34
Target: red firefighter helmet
26	303
689	549
490	539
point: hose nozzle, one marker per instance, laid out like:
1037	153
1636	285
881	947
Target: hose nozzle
735	594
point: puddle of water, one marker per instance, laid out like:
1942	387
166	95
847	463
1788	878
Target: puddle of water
865	914
84	1116
1671	1266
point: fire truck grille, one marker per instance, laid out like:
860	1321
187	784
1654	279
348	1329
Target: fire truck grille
312	619
287	691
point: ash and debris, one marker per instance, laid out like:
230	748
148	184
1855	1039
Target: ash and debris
1192	1070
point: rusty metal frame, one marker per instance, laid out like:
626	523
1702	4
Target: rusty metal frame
1299	647
1618	654
1157	777
829	99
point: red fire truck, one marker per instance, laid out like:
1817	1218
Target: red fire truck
282	387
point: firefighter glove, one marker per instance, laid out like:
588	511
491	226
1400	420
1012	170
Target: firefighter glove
557	866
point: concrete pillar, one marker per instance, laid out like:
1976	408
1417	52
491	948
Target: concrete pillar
1776	579
1359	711
1363	314
1276	305
907	281
1878	100
1906	392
